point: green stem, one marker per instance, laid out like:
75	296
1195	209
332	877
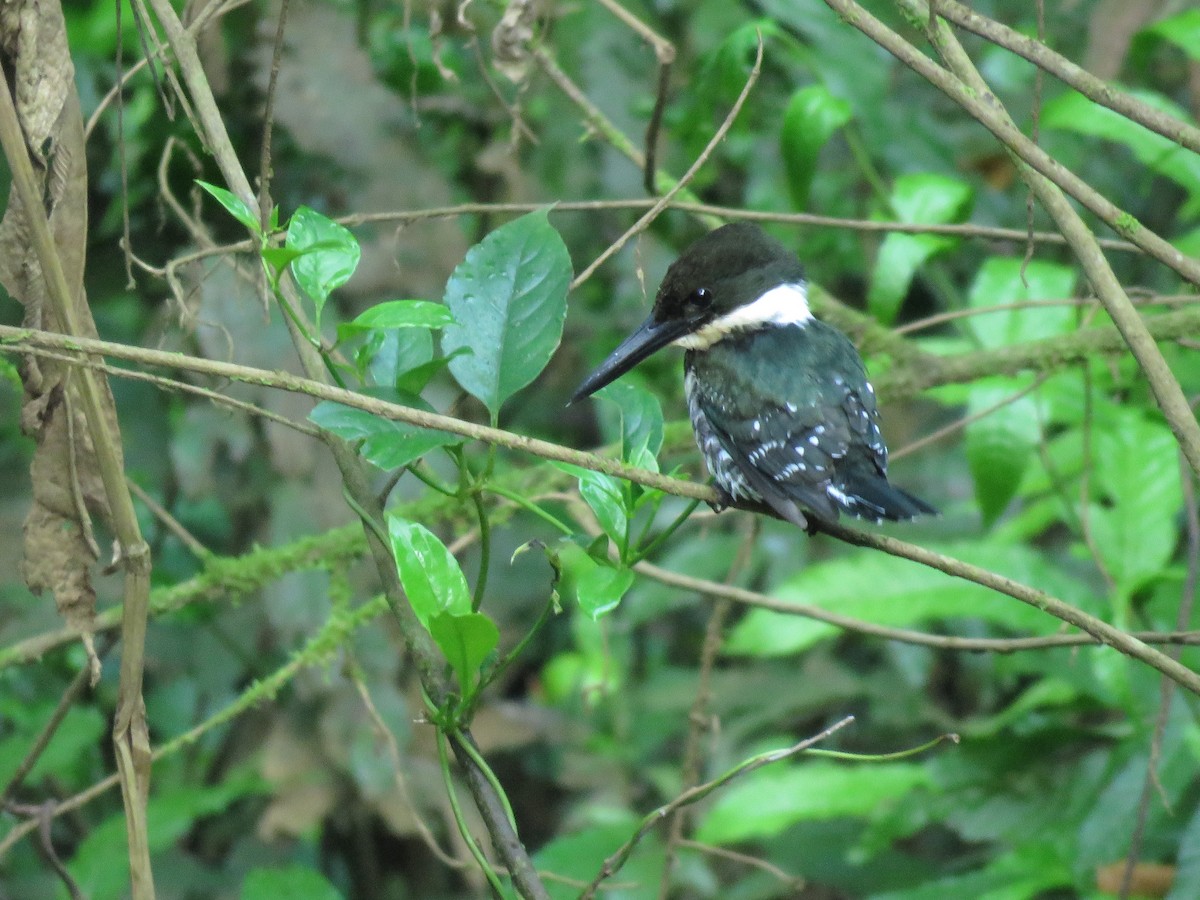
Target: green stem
666	533
367	518
460	820
529	506
431	481
882	757
503	662
478	759
485	548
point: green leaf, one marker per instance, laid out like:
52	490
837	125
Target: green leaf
770	800
928	199
604	496
1047	693
172	811
1074	112
1182	30
641	421
998	282
597	587
398	314
292	882
233	205
509	299
279	258
431	575
390	354
1187	876
1136	469
329	255
1000	445
1031	870
600	590
887	590
466	640
812	117
386	443
578	856
919	199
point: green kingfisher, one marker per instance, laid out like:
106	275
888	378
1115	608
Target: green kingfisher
779	401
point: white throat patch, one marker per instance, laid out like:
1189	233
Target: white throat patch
785	304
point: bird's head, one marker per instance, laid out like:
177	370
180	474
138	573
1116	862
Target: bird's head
734	278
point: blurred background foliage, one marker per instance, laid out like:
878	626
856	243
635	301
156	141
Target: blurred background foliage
326	783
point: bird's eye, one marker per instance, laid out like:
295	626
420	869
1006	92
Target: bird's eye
700	299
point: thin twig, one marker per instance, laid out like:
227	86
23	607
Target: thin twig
757	600
130	735
959	424
1095	89
694	794
1078	302
168	521
698	720
33	754
357	481
982	105
717	213
653	212
1051	182
264	159
1102	631
793	883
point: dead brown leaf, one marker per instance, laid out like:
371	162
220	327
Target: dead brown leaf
59	546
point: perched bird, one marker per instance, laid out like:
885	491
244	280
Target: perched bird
779	401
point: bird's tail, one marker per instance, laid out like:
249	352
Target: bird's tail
873	498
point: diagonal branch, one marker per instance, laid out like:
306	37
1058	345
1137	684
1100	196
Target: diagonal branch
978	100
1095	89
1098	629
1049	180
131	741
356	477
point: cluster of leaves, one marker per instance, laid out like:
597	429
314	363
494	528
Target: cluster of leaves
1072	486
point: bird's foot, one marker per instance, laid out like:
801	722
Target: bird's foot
724	499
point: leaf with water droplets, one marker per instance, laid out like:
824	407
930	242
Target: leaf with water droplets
509	300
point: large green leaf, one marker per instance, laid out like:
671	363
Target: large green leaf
1074	112
603	494
328	255
385	442
1136	468
1182	30
1000	445
172	812
813	116
1005	280
887	590
509	299
391	353
431	575
919	199
641	419
398	314
579	855
1031	870
1187	877
767	802
466	640
291	882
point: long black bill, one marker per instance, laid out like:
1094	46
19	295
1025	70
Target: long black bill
649	337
